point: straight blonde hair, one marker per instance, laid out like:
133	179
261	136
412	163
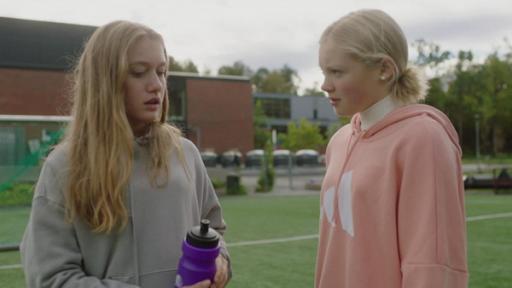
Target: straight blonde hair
100	137
371	36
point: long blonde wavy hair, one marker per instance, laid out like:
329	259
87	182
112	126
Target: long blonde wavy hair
370	36
100	137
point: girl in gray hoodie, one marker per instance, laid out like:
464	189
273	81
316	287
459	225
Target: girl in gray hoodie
115	199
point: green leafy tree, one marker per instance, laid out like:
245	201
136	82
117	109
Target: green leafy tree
237	69
306	135
471	91
267	174
283	80
461	93
483	91
430	54
313	91
436	95
185	66
496	107
261	132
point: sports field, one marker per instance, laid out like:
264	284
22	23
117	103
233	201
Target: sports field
288	227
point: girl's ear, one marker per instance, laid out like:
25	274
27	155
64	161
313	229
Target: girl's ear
386	69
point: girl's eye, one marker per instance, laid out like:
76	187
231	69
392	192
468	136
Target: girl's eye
160	73
137	74
336	72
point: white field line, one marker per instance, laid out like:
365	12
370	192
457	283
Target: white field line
274	240
9	267
490	216
303	237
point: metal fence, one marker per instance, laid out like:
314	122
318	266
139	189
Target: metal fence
24	141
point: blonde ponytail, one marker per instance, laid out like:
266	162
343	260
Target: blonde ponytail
410	86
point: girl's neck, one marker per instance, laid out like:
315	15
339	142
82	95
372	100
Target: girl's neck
377	111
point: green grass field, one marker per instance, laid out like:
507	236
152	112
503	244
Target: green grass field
291	264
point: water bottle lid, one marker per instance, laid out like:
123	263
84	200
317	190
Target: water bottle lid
203	236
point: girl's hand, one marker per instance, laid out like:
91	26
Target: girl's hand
203	284
221	277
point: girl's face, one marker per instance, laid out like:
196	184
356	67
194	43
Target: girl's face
351	85
145	84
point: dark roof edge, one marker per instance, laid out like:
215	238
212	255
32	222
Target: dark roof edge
207	77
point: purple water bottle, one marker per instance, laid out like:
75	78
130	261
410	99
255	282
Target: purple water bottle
200	249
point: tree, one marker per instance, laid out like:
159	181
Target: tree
237	69
313	91
461	98
261	132
436	95
258	77
430	54
306	135
185	66
496	75
483	90
283	81
267	174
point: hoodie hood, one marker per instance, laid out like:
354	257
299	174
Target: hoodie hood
406	112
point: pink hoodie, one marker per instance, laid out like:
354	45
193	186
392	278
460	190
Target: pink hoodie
392	205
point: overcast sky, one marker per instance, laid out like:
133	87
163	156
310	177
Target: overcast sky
272	33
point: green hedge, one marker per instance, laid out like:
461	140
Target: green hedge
17	195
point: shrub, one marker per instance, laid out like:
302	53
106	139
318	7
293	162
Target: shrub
17	195
267	175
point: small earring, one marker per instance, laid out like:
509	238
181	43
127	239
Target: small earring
383	77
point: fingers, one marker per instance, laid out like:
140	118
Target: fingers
203	284
221	276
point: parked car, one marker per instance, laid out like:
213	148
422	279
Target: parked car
496	180
321	159
281	157
254	158
307	157
209	158
231	158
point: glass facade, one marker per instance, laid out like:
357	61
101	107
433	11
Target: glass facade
276	108
177	100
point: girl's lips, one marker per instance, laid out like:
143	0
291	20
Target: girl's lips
334	101
153	101
153	104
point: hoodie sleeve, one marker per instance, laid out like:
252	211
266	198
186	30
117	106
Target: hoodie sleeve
431	217
49	250
209	203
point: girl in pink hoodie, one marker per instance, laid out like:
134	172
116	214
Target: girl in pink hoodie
392	200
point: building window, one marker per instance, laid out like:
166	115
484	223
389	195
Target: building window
12	145
177	106
276	108
177	99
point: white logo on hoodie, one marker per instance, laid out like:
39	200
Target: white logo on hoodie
328	205
344	204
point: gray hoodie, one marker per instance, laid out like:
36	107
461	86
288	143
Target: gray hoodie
56	253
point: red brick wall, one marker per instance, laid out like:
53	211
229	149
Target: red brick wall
220	113
33	92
